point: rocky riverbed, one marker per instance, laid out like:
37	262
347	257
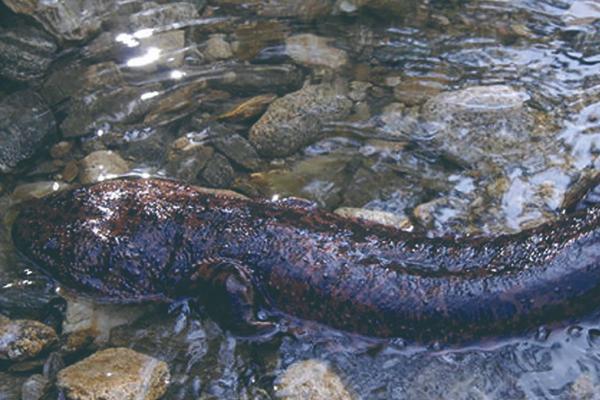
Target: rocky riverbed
442	117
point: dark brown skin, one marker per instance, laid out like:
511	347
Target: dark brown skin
134	240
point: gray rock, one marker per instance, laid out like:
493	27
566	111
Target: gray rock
254	79
186	159
66	19
171	46
25	121
24	339
582	12
90	112
481	123
297	119
389	7
239	150
25	53
10	386
35	387
101	165
218	173
115	374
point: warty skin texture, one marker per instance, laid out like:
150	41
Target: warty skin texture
133	240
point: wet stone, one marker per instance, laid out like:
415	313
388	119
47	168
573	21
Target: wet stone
164	16
414	92
492	122
312	50
61	149
218	172
10	386
70	171
67	20
249	109
25	53
35	387
22	340
84	318
254	79
239	150
307	10
91	112
172	51
254	36
582	12
100	165
185	159
25	122
296	120
36	190
311	380
380	217
217	48
115	374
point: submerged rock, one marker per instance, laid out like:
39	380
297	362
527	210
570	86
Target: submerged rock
481	123
24	339
381	217
307	9
186	159
35	190
249	109
35	387
582	12
254	79
100	165
92	112
217	48
311	380
25	53
66	19
239	150
313	50
218	172
164	16
115	374
25	121
85	318
297	119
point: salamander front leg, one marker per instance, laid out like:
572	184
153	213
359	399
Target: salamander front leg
228	293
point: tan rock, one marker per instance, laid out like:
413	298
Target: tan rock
24	339
217	48
61	149
250	108
311	380
313	50
85	317
115	374
101	165
36	190
380	217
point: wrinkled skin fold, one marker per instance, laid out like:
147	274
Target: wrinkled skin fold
134	240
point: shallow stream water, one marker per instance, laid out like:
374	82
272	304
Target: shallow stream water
456	117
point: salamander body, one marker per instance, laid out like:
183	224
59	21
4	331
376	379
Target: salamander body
134	240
